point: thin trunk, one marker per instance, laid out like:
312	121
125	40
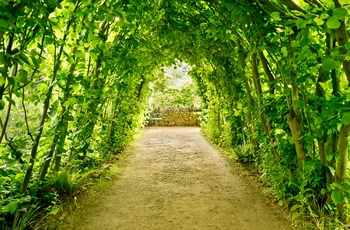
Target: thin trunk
8	51
46	105
113	120
320	132
90	125
343	143
8	112
330	148
343	138
266	123
268	72
60	146
92	109
295	125
251	128
3	131
57	139
64	116
218	113
258	90
342	163
37	139
48	158
295	117
295	128
246	85
342	39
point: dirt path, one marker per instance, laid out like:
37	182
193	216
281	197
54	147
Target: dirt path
176	180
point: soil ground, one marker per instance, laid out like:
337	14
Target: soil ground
176	180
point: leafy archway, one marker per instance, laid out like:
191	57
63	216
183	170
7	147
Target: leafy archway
273	75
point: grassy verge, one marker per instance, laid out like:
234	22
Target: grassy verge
69	210
246	168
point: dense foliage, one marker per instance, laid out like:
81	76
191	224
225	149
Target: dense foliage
173	87
273	75
73	88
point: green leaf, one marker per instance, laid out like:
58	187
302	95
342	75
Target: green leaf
295	215
80	54
333	23
340	13
344	2
36	62
337	197
284	51
66	103
302	37
331	169
275	15
3	23
102	45
324	86
2	104
49	41
54	211
347	45
329	63
299	104
302	79
19	176
287	91
329	157
339	186
301	23
22	76
24	58
11	207
295	207
346	118
10	100
291	140
319	21
318	120
33	56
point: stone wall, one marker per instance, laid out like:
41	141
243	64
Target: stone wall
174	116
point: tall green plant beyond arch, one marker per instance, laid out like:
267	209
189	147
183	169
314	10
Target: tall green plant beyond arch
174	87
273	77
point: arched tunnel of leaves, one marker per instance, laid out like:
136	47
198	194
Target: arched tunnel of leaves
273	77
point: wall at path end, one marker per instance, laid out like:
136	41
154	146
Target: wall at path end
174	116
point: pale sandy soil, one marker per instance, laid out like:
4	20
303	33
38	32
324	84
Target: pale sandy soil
176	180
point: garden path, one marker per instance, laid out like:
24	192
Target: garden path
176	180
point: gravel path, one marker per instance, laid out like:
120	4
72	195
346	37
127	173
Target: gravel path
176	180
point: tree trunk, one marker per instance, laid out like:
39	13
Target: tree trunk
48	158
295	127
341	170
257	84
34	150
268	72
